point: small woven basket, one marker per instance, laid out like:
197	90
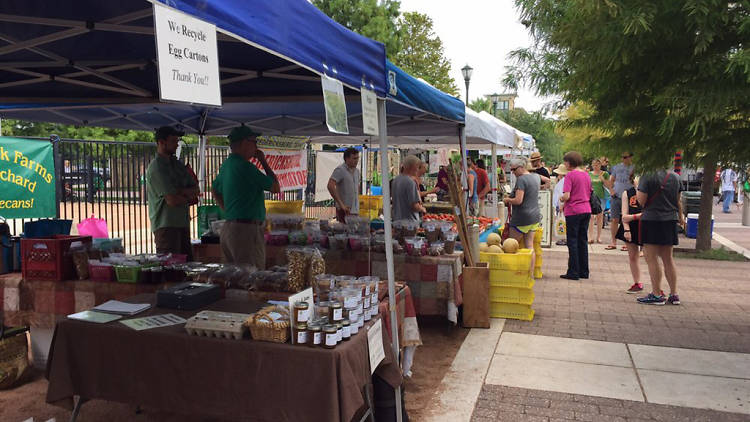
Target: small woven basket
13	359
263	327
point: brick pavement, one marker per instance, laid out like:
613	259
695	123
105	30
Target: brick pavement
500	403
714	315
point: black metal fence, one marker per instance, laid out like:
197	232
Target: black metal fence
107	179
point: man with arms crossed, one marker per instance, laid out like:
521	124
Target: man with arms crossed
344	186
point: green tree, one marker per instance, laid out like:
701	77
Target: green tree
542	128
371	18
422	53
659	75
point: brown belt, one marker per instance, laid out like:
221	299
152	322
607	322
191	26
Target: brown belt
246	221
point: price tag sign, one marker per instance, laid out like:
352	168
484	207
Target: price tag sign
369	112
375	344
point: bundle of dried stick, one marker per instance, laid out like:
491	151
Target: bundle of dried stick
459	210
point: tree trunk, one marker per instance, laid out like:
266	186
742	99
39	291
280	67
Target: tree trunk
703	241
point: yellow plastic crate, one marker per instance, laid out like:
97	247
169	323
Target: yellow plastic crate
512	295
506	278
507	261
511	311
538	273
538	262
371	214
538	236
370	202
283	207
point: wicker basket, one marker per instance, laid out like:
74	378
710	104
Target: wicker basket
264	328
14	359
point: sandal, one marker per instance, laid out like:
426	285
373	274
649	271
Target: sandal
610	247
624	248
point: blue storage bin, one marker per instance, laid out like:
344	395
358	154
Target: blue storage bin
46	228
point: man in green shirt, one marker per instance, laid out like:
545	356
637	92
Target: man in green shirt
171	189
238	189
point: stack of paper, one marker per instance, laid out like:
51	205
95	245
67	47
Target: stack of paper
91	316
121	308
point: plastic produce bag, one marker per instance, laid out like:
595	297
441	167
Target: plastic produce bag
94	227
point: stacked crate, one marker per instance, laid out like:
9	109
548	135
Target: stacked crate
538	253
511	284
370	206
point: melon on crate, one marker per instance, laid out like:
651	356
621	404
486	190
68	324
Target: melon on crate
495	249
493	239
510	245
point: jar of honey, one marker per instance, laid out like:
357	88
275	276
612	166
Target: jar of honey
300	337
314	335
301	312
346	332
331	336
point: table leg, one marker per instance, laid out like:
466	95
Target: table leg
77	408
368	399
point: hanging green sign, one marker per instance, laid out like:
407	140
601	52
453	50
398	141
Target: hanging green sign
27	178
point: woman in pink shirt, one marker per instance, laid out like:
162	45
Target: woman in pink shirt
576	204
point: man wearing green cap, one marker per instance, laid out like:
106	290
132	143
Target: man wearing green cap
238	189
171	189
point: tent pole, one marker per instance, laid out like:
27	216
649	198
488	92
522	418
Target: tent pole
464	153
365	169
493	179
202	165
382	129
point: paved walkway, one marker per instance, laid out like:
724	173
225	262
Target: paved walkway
593	353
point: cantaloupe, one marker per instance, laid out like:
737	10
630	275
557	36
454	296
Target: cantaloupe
495	249
493	239
483	247
510	246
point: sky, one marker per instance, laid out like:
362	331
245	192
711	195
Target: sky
480	33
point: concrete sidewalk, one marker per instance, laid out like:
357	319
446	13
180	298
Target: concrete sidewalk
593	353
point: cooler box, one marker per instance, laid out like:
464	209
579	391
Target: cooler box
692	226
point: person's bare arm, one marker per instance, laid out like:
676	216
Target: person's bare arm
417	207
334	191
470	180
516	200
485	190
275	187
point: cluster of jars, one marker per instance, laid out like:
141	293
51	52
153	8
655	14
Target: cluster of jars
343	305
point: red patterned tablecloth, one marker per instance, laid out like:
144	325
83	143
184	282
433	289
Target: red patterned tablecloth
43	303
434	282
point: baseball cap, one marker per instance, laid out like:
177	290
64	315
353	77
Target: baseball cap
241	133
165	131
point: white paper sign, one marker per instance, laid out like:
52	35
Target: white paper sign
335	104
153	321
188	58
369	112
375	345
545	207
303	296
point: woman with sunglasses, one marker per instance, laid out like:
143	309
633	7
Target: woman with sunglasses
525	216
576	200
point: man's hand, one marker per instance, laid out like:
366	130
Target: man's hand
626	235
347	210
260	155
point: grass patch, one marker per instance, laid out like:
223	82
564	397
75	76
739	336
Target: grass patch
716	254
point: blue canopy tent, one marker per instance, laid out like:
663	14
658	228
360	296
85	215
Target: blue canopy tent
88	62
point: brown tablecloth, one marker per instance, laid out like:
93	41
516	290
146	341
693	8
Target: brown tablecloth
165	368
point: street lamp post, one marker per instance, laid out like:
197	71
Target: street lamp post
495	98
466	71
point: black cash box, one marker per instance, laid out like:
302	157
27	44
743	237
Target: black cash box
188	296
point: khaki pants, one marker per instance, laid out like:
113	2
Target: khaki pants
243	243
174	240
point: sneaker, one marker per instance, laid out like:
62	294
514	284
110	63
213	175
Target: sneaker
673	300
652	299
635	288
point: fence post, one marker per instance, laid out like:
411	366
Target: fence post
59	183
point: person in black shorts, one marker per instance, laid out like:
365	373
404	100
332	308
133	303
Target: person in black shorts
629	232
658	193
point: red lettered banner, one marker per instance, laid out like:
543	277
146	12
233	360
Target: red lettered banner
290	167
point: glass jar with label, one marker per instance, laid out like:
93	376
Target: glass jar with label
339	331
301	312
368	314
314	335
322	309
300	336
330	332
354	326
335	313
346	332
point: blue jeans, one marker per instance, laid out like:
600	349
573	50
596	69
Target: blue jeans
728	197
577	237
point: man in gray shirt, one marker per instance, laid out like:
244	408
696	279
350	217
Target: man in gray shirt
344	185
618	182
406	202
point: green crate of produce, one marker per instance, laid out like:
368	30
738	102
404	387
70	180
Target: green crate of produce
127	273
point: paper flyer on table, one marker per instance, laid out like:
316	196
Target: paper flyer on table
153	321
93	316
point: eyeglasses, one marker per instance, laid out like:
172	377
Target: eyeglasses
626	156
514	168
